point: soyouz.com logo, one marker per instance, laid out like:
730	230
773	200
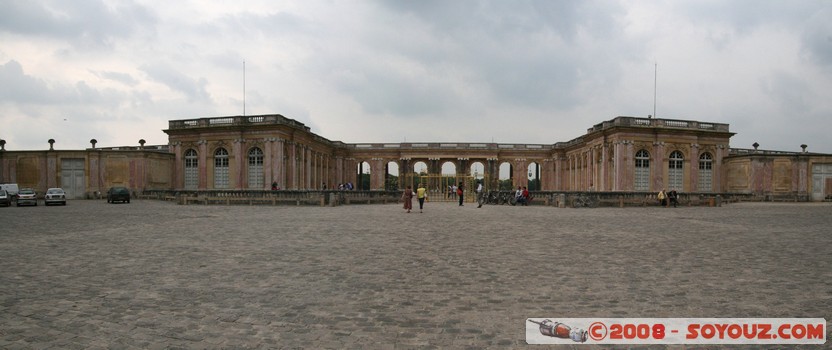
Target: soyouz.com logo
676	331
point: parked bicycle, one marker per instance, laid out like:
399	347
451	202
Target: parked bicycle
585	201
499	197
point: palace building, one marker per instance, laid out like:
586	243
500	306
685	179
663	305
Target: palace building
625	154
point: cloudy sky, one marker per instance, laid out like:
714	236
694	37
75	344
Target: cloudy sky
389	71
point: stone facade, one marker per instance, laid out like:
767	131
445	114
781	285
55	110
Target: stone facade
625	154
88	173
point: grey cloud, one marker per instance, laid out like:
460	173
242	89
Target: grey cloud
521	53
194	89
20	88
386	91
25	89
123	78
256	26
817	37
83	22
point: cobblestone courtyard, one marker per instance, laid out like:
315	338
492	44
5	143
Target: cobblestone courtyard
152	274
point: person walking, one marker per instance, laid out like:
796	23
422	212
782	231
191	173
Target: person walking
662	198
407	197
518	195
479	194
674	198
460	191
421	195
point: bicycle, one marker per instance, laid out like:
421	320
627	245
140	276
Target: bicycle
585	201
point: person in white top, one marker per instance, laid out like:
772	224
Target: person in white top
479	194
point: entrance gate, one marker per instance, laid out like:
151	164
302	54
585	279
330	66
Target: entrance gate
72	178
821	181
439	186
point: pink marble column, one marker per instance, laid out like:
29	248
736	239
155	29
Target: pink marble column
203	164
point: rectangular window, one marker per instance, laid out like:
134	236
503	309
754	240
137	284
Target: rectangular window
675	179
705	180
642	179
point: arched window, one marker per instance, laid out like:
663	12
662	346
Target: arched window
221	168
706	173
255	169
642	175
676	173
191	170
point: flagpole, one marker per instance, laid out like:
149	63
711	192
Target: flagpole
655	73
244	88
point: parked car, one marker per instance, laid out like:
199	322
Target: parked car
118	194
54	196
11	189
27	196
5	199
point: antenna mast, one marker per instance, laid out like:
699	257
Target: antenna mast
244	88
655	73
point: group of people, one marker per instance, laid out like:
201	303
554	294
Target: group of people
421	194
522	196
345	187
666	199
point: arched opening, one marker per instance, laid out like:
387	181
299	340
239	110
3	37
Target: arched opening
420	174
393	177
363	178
448	179
255	169
477	171
191	170
642	175
706	172
533	172
221	168
505	177
676	174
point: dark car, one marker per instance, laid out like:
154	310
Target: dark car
118	194
5	198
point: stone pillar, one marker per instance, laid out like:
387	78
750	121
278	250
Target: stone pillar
657	173
202	146
292	179
268	160
51	170
178	166
719	153
279	167
240	164
339	170
93	159
592	167
693	174
802	166
605	168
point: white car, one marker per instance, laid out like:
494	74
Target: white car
27	196
54	196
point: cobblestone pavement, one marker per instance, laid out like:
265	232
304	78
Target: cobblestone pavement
156	275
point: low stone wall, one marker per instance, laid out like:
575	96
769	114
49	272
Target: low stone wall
545	198
630	199
281	197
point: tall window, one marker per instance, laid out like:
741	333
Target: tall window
191	170
255	168
642	171
706	172
676	173
221	168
